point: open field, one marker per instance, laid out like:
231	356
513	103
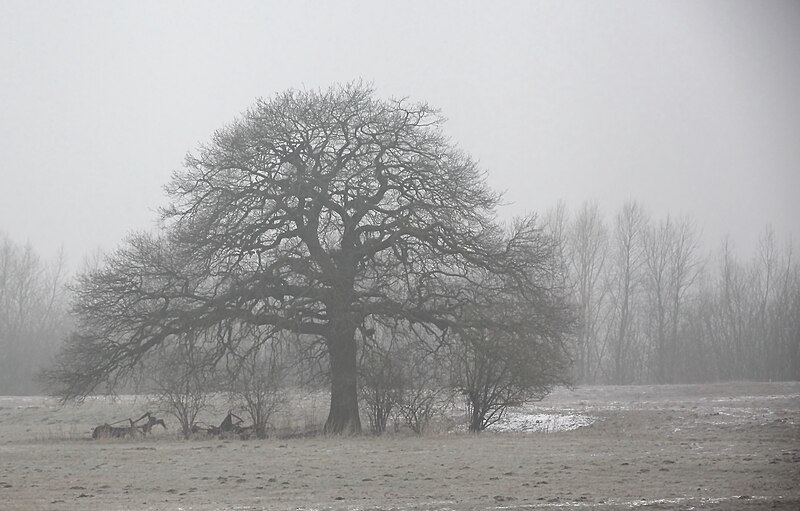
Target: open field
730	446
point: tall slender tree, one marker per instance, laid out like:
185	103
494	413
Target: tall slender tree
630	226
587	254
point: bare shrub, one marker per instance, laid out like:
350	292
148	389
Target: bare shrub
256	385
425	395
381	385
181	383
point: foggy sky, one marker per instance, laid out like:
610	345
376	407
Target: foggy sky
689	107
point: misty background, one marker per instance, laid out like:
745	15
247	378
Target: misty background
688	110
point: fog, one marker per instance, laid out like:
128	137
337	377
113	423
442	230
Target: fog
690	108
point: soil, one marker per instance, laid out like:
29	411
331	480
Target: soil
732	446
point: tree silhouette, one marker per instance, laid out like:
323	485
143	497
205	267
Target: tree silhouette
313	214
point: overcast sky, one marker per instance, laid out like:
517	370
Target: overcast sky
690	107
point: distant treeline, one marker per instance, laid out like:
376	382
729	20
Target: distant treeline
654	309
33	315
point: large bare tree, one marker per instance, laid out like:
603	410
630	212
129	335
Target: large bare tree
310	214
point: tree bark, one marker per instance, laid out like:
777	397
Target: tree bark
343	417
475	420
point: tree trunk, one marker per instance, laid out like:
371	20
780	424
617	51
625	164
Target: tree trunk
475	414
343	418
476	421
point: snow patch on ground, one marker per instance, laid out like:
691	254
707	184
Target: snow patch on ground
541	422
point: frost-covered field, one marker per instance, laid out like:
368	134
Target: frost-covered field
532	422
732	446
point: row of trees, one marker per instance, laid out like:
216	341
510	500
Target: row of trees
33	319
655	309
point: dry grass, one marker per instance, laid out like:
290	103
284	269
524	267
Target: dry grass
678	447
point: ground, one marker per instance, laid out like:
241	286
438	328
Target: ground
728	446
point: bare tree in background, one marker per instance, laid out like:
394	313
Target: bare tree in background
745	321
685	269
671	268
555	223
658	247
625	276
786	325
587	251
32	315
732	317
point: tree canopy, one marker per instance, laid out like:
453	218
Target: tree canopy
315	213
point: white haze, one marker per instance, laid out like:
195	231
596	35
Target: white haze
689	107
